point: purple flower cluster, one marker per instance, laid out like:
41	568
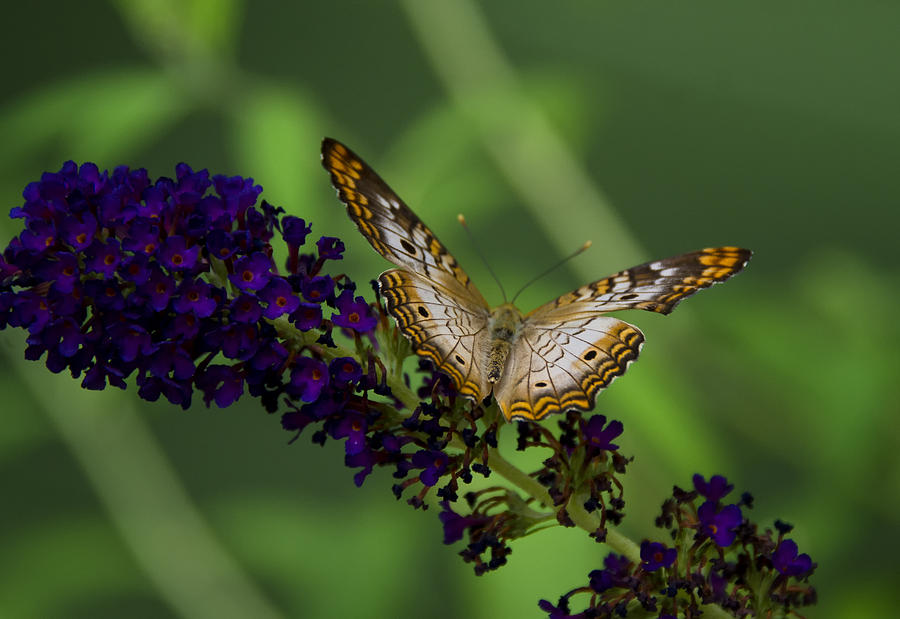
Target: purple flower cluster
584	461
172	282
718	557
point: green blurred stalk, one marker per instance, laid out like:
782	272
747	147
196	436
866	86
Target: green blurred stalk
143	495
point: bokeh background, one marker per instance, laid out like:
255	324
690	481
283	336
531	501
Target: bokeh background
651	128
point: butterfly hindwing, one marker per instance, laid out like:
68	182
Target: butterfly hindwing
440	326
562	363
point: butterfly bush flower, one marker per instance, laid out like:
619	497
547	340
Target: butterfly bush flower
191	286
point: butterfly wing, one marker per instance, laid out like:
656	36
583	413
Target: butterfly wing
561	361
436	305
569	350
660	285
442	326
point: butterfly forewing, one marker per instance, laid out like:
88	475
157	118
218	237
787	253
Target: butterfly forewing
657	286
389	225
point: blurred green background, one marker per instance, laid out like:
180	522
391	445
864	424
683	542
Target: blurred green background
651	128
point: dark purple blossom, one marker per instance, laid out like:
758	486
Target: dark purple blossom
279	298
719	524
560	611
433	464
252	272
158	289
354	427
78	231
786	560
63	272
655	556
308	378
715	489
295	230
195	296
330	248
456	525
354	314
102	257
176	255
221	383
246	308
307	316
318	289
598	438
345	371
615	573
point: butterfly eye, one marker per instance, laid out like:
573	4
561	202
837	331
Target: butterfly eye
409	247
423	312
590	355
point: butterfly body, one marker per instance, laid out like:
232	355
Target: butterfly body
555	358
504	327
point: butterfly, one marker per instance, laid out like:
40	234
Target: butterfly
550	360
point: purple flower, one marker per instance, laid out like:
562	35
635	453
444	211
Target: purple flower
135	268
598	438
615	573
356	315
252	272
354	428
719	524
295	230
317	289
39	237
344	371
221	383
561	611
788	562
655	556
245	308
195	296
715	489
116	276
455	525
433	464
158	289
63	272
308	378
143	238
307	316
176	254
330	248
102	257
279	297
78	232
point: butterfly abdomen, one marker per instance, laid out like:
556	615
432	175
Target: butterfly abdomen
504	327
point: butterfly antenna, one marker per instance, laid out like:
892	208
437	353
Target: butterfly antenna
462	222
578	251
